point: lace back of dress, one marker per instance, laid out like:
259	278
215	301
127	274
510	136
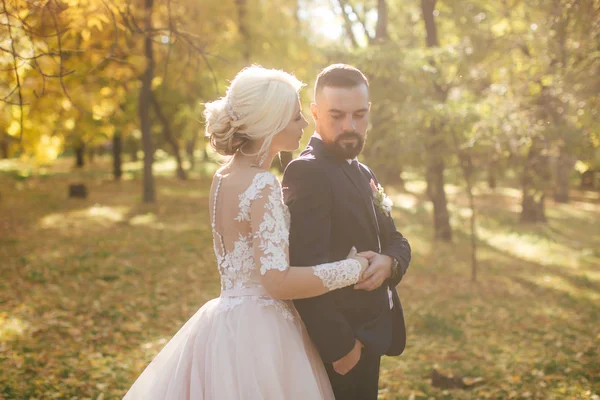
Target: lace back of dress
232	232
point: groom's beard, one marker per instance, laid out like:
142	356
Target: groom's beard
346	151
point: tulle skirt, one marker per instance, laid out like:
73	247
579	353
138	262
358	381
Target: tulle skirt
238	346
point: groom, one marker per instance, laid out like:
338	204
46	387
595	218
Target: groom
333	209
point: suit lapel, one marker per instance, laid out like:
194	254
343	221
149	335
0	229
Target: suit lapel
357	179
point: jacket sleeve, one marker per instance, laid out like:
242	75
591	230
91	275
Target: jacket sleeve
395	244
309	198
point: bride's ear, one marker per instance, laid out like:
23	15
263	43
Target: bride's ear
314	111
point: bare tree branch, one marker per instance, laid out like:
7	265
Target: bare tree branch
169	48
20	57
187	64
168	132
204	57
10	94
348	24
43	87
61	67
115	40
18	78
362	22
135	25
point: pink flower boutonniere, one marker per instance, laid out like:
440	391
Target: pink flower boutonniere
383	202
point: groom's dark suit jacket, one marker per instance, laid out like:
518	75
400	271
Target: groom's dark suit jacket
332	210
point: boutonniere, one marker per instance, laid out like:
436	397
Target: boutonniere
383	202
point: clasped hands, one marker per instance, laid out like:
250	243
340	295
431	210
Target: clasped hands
378	270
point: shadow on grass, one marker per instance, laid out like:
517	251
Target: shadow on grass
508	265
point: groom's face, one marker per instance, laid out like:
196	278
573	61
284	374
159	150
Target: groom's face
341	117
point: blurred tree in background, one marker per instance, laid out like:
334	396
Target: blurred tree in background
516	81
512	84
74	70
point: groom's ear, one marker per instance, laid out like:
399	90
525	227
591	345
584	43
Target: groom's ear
314	111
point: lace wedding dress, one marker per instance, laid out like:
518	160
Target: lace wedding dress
244	344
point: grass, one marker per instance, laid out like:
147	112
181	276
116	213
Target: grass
92	289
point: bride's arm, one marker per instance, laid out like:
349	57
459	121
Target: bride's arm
270	243
303	282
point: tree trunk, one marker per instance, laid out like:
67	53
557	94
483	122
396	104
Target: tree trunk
588	180
91	154
563	168
466	166
427	8
435	143
190	146
381	29
473	232
533	206
132	148
79	155
242	11
169	137
435	189
117	150
535	176
491	174
149	193
4	146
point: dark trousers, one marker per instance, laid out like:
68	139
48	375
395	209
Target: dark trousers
361	382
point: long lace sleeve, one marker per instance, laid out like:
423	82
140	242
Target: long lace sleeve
339	274
269	227
270	233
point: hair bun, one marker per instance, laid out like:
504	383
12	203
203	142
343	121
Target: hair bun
258	105
221	128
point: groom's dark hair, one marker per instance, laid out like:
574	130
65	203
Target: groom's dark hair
340	75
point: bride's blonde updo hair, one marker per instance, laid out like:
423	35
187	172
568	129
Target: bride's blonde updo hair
258	104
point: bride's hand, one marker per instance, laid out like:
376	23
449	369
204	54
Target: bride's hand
364	262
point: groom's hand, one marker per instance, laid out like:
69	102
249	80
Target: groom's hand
349	361
379	269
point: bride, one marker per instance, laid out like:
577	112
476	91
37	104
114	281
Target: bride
250	343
